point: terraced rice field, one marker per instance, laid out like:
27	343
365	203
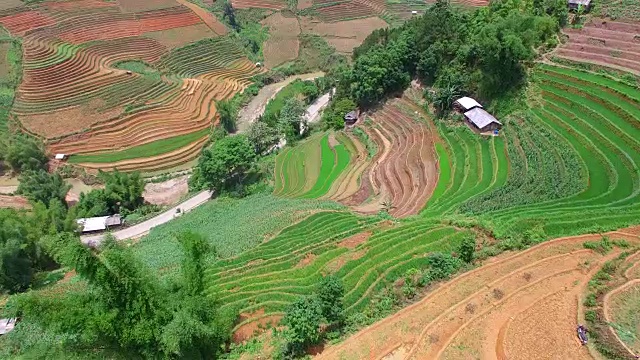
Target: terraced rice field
74	96
333	11
490	312
570	165
588	170
403	174
260	4
364	253
607	43
309	171
621	307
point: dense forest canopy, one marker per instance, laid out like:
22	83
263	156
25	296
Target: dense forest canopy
454	50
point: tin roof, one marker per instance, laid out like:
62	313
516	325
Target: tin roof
468	103
480	118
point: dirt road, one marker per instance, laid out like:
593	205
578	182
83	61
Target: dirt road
314	109
143	228
256	106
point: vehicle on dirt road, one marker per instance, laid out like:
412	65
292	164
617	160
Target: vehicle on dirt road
582	334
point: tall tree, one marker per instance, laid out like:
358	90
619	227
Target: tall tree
330	293
228	114
227	163
262	136
25	153
291	119
302	320
40	186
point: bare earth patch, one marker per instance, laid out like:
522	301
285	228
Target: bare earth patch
178	37
14	202
303	4
343	35
248	330
283	43
66	121
355	240
10	4
167	192
308	259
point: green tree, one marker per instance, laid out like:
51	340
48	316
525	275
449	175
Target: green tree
443	99
291	119
40	186
302	320
467	249
227	164
330	293
229	14
228	114
25	153
122	194
94	203
124	307
262	136
123	190
333	117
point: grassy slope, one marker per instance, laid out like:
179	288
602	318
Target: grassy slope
231	226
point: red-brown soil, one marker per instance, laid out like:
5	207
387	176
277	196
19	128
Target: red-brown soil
405	173
139	5
518	306
307	260
355	240
14	202
282	44
248	330
606	43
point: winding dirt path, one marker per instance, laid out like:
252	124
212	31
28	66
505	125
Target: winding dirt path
489	311
256	106
214	24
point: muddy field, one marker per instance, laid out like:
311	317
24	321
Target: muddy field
283	43
490	312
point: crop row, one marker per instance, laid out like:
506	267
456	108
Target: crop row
594	123
275	273
309	171
201	57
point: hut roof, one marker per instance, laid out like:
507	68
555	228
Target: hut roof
98	223
480	118
580	2
351	115
468	103
6	325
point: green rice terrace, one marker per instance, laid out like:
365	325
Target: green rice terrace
442	239
566	167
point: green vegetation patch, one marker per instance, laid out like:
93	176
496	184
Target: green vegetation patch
154	148
230	225
138	67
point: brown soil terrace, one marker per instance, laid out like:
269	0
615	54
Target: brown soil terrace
490	312
404	172
606	43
